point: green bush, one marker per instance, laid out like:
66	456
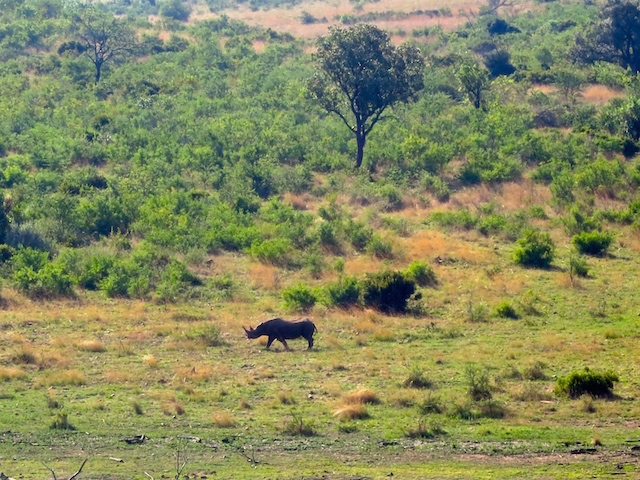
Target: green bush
38	277
300	298
461	219
358	234
505	310
208	334
345	292
95	270
535	249
595	384
387	291
275	251
421	273
379	247
176	282
592	243
578	266
477	380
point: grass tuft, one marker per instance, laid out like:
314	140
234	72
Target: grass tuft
224	420
361	396
11	373
95	346
351	412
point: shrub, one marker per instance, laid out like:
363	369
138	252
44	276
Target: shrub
380	248
176	282
38	277
421	273
592	243
95	270
417	379
387	291
344	293
176	9
431	404
297	426
274	251
578	266
424	431
505	310
61	422
498	63
477	380
476	313
358	234
462	219
436	186
535	249
208	334
586	382
301	297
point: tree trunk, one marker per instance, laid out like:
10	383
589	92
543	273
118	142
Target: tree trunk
360	139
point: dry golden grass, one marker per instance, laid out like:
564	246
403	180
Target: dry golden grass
259	46
287	19
150	361
333	342
286	398
61	378
297	201
223	420
265	277
361	396
173	408
117	377
95	346
11	373
351	412
600	94
199	374
25	354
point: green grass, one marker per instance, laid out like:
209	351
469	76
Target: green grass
572	329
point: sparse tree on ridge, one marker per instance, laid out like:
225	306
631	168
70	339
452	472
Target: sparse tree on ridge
100	37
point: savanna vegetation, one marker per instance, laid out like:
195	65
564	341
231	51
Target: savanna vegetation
172	171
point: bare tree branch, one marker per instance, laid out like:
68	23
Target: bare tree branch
72	477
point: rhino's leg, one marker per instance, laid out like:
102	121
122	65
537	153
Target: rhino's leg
310	340
284	342
271	339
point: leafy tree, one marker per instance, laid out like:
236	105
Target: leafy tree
475	82
569	81
360	74
100	36
176	9
616	38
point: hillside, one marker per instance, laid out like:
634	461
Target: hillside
473	282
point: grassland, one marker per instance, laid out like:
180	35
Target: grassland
114	369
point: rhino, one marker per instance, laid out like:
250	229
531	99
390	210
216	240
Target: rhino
279	329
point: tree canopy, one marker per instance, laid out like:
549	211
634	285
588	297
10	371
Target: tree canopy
616	38
361	74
